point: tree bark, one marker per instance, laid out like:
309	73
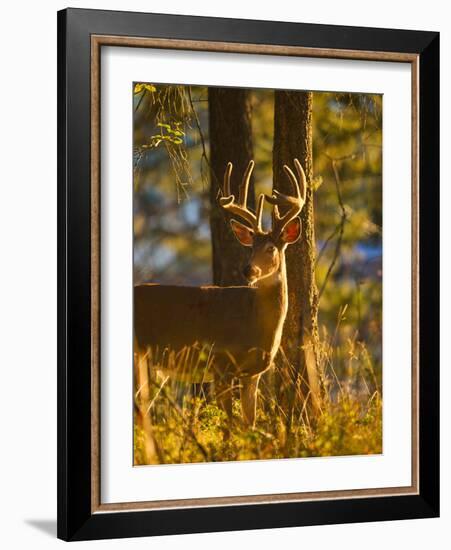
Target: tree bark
293	139
230	141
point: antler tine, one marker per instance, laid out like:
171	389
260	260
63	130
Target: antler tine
227	175
294	204
294	182
275	215
261	202
302	179
240	209
244	187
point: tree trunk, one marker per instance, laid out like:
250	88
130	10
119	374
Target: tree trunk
293	139
230	141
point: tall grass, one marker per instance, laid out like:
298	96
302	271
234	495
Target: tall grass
181	423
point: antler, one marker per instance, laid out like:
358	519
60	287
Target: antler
240	209
294	204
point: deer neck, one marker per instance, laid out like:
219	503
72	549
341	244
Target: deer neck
275	283
272	295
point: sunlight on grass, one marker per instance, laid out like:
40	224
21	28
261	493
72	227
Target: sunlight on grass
187	426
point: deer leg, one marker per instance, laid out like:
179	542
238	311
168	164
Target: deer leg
249	387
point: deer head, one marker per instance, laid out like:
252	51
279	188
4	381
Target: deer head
268	247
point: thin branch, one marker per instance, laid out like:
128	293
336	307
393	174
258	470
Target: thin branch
326	243
201	135
199	129
140	100
340	226
334	259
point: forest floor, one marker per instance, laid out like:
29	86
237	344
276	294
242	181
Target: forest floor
186	429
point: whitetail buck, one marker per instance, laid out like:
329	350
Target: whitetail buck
241	324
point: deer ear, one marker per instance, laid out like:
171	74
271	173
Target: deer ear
244	235
292	231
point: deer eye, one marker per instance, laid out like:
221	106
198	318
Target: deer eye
271	249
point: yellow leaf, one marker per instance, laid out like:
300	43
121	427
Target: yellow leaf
140	86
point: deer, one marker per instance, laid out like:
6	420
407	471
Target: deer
242	324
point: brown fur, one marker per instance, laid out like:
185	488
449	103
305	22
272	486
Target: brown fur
241	324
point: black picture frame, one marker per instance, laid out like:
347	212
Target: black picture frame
76	520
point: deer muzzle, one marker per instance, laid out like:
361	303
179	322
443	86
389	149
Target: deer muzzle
252	273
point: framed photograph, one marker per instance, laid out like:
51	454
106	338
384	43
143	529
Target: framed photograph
248	274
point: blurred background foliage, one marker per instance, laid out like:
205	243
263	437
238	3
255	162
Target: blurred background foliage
171	201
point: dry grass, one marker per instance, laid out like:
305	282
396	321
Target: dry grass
183	423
